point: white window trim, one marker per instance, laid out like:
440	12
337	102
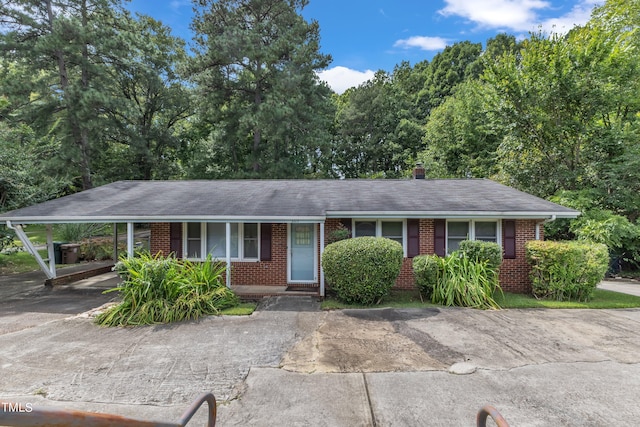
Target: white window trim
472	230
203	243
379	229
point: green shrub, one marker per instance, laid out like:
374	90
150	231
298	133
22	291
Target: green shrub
100	248
425	272
566	271
362	270
156	289
76	232
478	250
464	282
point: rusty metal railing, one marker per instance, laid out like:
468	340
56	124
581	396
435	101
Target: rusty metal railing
490	411
13	414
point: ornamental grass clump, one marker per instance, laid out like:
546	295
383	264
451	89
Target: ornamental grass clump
158	289
362	270
468	277
465	282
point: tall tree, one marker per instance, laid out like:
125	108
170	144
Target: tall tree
150	103
264	112
66	41
375	134
446	70
569	108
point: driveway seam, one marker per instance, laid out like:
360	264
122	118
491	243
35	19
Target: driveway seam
366	390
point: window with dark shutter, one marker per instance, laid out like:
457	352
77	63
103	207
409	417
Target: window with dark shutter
440	237
509	239
265	242
413	237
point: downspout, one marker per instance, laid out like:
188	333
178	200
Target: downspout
322	231
553	218
51	273
227	253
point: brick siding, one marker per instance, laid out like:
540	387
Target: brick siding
514	273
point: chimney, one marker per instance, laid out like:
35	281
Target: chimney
418	171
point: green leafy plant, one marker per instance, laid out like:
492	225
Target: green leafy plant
566	271
78	232
158	289
465	282
477	251
340	233
364	269
426	273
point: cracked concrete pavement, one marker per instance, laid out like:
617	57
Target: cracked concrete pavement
383	367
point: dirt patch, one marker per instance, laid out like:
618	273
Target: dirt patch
368	341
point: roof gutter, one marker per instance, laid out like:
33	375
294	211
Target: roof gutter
538	224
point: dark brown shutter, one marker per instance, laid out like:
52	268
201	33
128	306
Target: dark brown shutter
509	238
413	237
440	237
265	242
175	239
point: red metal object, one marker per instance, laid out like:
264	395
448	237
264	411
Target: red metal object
14	414
490	411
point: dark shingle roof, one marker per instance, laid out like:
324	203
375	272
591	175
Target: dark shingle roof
147	201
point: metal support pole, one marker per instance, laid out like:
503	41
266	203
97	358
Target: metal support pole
130	240
50	251
115	241
31	249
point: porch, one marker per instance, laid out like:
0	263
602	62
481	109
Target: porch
256	292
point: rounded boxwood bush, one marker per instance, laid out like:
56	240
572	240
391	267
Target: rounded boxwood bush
362	270
426	270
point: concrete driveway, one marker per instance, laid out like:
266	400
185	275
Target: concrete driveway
384	367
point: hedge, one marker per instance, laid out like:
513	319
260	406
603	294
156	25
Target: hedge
566	271
362	270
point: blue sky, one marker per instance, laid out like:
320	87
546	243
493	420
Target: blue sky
364	36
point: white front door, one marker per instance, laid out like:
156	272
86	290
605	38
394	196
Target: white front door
302	253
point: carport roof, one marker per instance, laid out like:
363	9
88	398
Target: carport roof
289	200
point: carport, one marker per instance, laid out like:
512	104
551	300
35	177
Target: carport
48	266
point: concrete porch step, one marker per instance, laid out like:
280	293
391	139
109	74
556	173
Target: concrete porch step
253	292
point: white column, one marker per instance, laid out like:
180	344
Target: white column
130	240
51	253
321	252
228	253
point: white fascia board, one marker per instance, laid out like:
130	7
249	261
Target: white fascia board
148	219
444	214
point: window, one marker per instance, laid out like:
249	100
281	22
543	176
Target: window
457	231
217	239
211	238
487	231
394	230
194	240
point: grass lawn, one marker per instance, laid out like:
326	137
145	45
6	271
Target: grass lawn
244	309
396	299
411	299
601	299
19	262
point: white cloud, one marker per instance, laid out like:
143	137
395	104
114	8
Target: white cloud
422	42
342	78
512	14
579	15
518	15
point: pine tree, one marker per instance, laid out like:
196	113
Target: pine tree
264	112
